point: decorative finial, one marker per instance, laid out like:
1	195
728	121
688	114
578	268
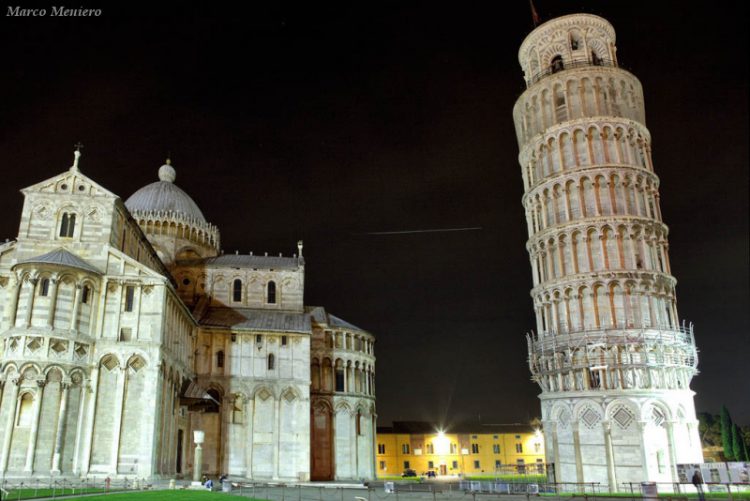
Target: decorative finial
299	246
167	172
76	155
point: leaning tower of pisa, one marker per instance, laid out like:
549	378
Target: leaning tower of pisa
612	359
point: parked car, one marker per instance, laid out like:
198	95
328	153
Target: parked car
409	473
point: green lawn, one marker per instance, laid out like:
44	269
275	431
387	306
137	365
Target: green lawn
165	495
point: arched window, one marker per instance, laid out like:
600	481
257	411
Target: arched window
25	414
214	403
44	287
68	224
271	362
272	292
595	60
219	359
85	294
557	64
237	291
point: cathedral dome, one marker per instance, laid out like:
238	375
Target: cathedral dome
164	196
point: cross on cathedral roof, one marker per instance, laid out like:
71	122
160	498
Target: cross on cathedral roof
76	155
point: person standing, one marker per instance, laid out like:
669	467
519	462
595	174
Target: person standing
698	483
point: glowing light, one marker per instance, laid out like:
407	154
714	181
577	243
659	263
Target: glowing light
441	443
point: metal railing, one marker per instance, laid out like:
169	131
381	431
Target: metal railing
569	65
11	489
649	490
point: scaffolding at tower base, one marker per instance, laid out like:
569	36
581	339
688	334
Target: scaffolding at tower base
662	357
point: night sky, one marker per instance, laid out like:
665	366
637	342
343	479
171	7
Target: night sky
326	121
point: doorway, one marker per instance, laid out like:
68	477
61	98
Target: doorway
179	452
443	469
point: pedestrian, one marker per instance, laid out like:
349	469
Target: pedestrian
698	483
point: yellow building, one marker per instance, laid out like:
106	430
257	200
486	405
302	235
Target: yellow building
479	451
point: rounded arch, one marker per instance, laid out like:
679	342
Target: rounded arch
262	388
54	367
343	406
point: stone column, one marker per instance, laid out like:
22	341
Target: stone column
117	425
54	282
577	450
610	456
642	426
14	287
91	416
76	307
249	422
30	301
79	424
29	466
555	449
10	421
672	452
276	435
61	421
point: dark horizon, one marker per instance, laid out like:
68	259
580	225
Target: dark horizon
336	123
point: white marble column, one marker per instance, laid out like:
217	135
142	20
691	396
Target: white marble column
672	453
610	456
577	450
249	421
29	465
61	421
30	301
14	288
276	435
76	308
90	418
54	283
10	421
82	396
117	424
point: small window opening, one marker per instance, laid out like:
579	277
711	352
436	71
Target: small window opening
44	288
272	292
283	340
68	225
271	362
237	291
595	60
219	359
557	64
85	293
339	380
129	297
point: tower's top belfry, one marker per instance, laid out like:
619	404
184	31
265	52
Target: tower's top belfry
573	41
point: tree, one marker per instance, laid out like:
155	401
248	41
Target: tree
737	444
710	429
726	433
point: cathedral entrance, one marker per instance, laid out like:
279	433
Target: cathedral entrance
321	450
178	467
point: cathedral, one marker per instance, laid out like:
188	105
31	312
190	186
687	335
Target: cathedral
613	363
125	329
